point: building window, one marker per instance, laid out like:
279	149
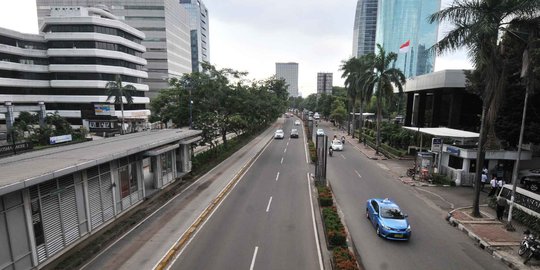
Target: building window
166	163
37	223
455	162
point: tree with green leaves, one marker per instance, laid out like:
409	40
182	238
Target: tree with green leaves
354	70
478	26
117	90
339	113
383	77
223	102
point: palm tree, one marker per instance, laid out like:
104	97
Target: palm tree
350	73
478	27
365	90
353	71
120	91
384	77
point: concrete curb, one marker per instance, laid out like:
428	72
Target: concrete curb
481	243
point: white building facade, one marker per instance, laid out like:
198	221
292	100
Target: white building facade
289	72
165	24
68	66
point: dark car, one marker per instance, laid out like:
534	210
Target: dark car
531	182
294	133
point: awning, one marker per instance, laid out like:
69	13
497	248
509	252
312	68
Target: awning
192	140
160	150
446	132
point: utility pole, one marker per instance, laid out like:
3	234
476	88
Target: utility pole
190	110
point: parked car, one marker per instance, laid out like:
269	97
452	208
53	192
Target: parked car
336	145
531	182
279	134
297	123
294	133
388	220
320	132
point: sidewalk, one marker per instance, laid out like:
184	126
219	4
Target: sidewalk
488	232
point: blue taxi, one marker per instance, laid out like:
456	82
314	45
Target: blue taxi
388	220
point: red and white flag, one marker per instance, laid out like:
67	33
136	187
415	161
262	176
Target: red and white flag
405	47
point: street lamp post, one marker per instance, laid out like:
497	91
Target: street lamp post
190	110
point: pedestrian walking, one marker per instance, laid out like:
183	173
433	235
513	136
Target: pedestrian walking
484	181
501	206
493	184
500	183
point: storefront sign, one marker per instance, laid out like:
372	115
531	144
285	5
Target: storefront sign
103	125
452	150
104	109
436	145
60	139
531	202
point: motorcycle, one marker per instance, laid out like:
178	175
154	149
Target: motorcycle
330	151
528	240
534	251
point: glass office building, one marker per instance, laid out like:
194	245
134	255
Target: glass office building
200	33
402	20
365	26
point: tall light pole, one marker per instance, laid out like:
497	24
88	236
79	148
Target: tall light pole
190	110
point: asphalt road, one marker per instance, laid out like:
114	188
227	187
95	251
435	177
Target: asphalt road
265	222
434	244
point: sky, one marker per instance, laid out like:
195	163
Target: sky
252	35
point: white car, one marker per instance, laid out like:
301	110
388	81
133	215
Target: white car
279	134
297	123
320	132
337	145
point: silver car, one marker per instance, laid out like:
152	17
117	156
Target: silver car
279	134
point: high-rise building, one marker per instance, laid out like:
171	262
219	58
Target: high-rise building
365	27
289	72
200	38
165	24
400	21
68	66
324	83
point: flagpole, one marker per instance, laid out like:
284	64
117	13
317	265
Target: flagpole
405	63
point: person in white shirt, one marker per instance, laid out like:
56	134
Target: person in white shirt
484	181
493	184
500	183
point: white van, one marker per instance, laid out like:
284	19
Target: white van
316	116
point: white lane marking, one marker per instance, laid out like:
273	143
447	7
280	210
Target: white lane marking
159	209
342	156
288	141
254	257
281	160
285	151
241	177
314	225
437	195
305	145
268	206
277	176
357	173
